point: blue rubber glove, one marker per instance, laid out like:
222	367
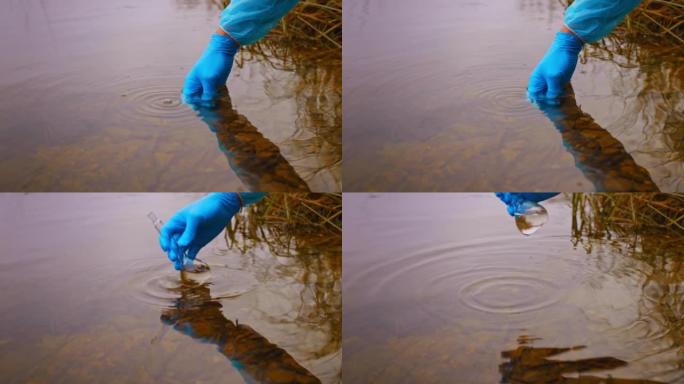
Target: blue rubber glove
554	70
514	199
196	225
211	71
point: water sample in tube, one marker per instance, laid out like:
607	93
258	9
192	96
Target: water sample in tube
529	217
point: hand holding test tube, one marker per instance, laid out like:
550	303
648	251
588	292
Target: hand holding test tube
194	226
179	258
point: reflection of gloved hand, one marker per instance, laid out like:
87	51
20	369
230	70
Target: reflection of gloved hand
197	224
197	315
555	69
219	112
514	199
211	70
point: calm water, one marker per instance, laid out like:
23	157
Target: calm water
443	288
434	99
89	296
90	101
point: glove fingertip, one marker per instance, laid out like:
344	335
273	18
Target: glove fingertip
163	243
511	210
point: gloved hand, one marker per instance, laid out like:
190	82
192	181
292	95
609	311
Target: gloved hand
555	69
514	199
211	70
196	225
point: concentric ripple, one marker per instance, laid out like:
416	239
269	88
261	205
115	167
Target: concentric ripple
154	102
503	95
156	283
142	95
508	291
493	277
146	95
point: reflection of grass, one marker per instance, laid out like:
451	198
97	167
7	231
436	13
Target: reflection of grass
307	228
647	231
652	37
308	42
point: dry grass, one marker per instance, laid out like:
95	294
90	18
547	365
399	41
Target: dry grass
290	224
659	21
301	211
315	25
656	219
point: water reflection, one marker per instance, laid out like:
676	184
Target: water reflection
531	365
258	360
601	157
317	256
436	284
639	239
85	283
470	128
318	92
652	121
255	160
78	115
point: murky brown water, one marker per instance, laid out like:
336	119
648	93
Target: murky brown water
90	101
443	288
89	296
434	100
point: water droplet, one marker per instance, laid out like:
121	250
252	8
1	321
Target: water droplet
529	217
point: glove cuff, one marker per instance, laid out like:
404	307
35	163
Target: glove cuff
228	200
568	42
223	43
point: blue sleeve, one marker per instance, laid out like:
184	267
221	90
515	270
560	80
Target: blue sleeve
232	198
249	20
251	197
593	19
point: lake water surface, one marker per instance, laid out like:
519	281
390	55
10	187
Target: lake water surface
90	101
434	100
88	296
443	288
